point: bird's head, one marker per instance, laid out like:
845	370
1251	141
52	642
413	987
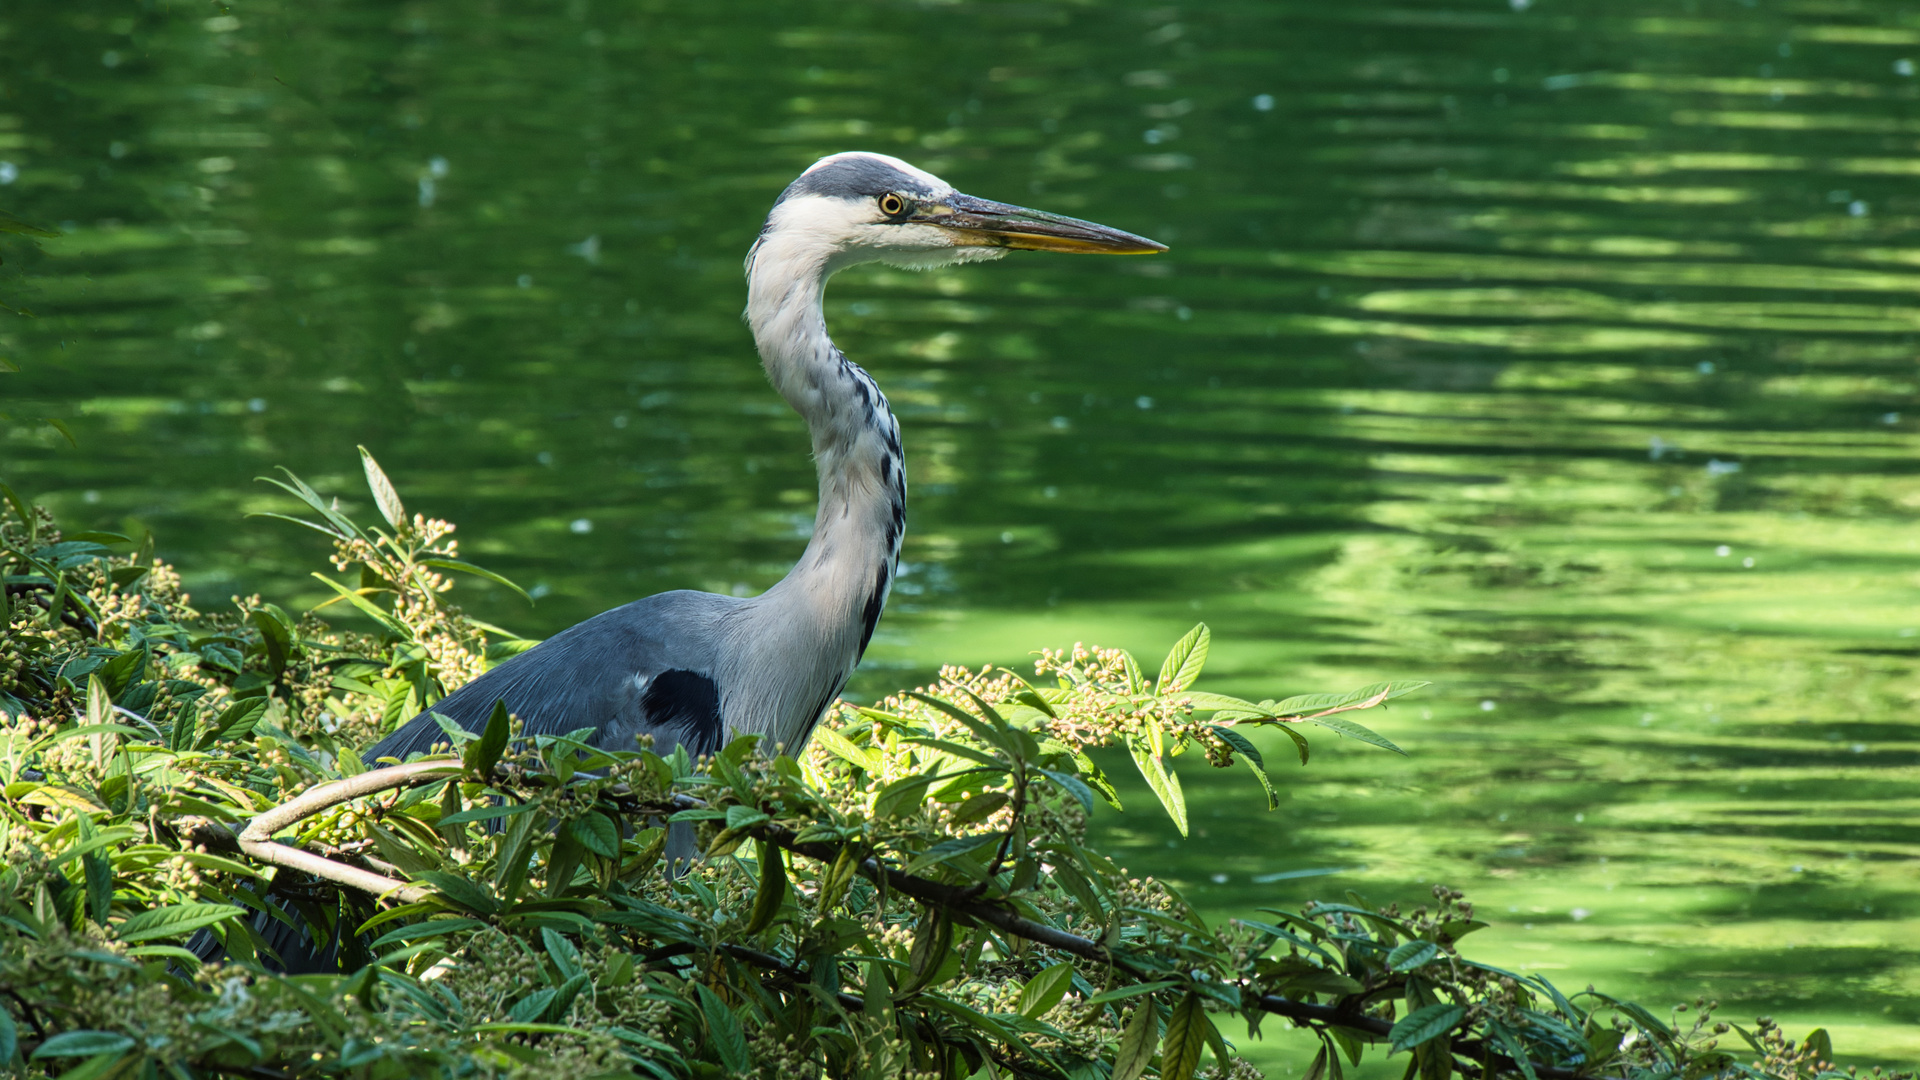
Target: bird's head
859	207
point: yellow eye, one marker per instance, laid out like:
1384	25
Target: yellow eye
892	205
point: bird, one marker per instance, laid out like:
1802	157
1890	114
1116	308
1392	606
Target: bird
698	669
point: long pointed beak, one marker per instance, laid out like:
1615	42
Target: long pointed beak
978	222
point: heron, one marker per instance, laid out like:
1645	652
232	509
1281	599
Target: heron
697	669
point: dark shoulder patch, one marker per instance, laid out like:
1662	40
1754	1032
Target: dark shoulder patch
689	703
870	618
852	178
813	719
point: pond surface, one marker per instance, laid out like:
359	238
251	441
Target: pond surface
1562	354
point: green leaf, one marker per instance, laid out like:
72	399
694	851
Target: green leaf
21	511
1044	990
931	943
842	747
959	750
1409	955
948	849
773	888
1318	1070
1135	1053
383	492
1121	993
977	807
1094	776
1186	1037
367	607
460	891
486	813
83	1044
903	796
1299	740
1424	1023
343	526
11	224
1164	782
235	722
723	1031
1516	1048
1354	731
174	920
1820	1043
1251	755
60	426
429	929
276	637
9	1038
1364	698
98	871
1184	661
479	572
563	998
597	833
1074	787
982	730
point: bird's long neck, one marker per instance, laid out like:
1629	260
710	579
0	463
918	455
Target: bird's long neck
828	604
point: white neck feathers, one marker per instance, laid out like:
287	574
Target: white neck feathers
824	610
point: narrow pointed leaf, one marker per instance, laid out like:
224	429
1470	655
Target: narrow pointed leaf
384	494
1355	731
1183	663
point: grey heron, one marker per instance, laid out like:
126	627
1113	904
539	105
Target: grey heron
696	669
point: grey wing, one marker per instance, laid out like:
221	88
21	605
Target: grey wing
642	669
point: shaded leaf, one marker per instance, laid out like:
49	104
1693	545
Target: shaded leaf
1044	990
1409	955
1186	1037
948	849
174	920
723	1032
1424	1023
1135	1053
83	1044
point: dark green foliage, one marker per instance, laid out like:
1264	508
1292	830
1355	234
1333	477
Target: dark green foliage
913	895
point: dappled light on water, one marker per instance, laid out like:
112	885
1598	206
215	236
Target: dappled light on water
1560	353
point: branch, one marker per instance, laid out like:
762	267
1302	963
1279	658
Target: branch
256	839
1003	918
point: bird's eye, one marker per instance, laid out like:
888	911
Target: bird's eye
892	205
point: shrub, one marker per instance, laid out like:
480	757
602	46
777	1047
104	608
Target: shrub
913	894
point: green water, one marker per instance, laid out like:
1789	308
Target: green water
1563	356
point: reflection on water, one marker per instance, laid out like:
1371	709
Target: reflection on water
1560	353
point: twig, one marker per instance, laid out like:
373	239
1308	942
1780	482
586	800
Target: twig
33	1018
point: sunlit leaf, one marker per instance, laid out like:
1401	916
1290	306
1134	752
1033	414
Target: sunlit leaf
1183	663
1355	731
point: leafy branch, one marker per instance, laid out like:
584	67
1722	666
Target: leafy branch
913	894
